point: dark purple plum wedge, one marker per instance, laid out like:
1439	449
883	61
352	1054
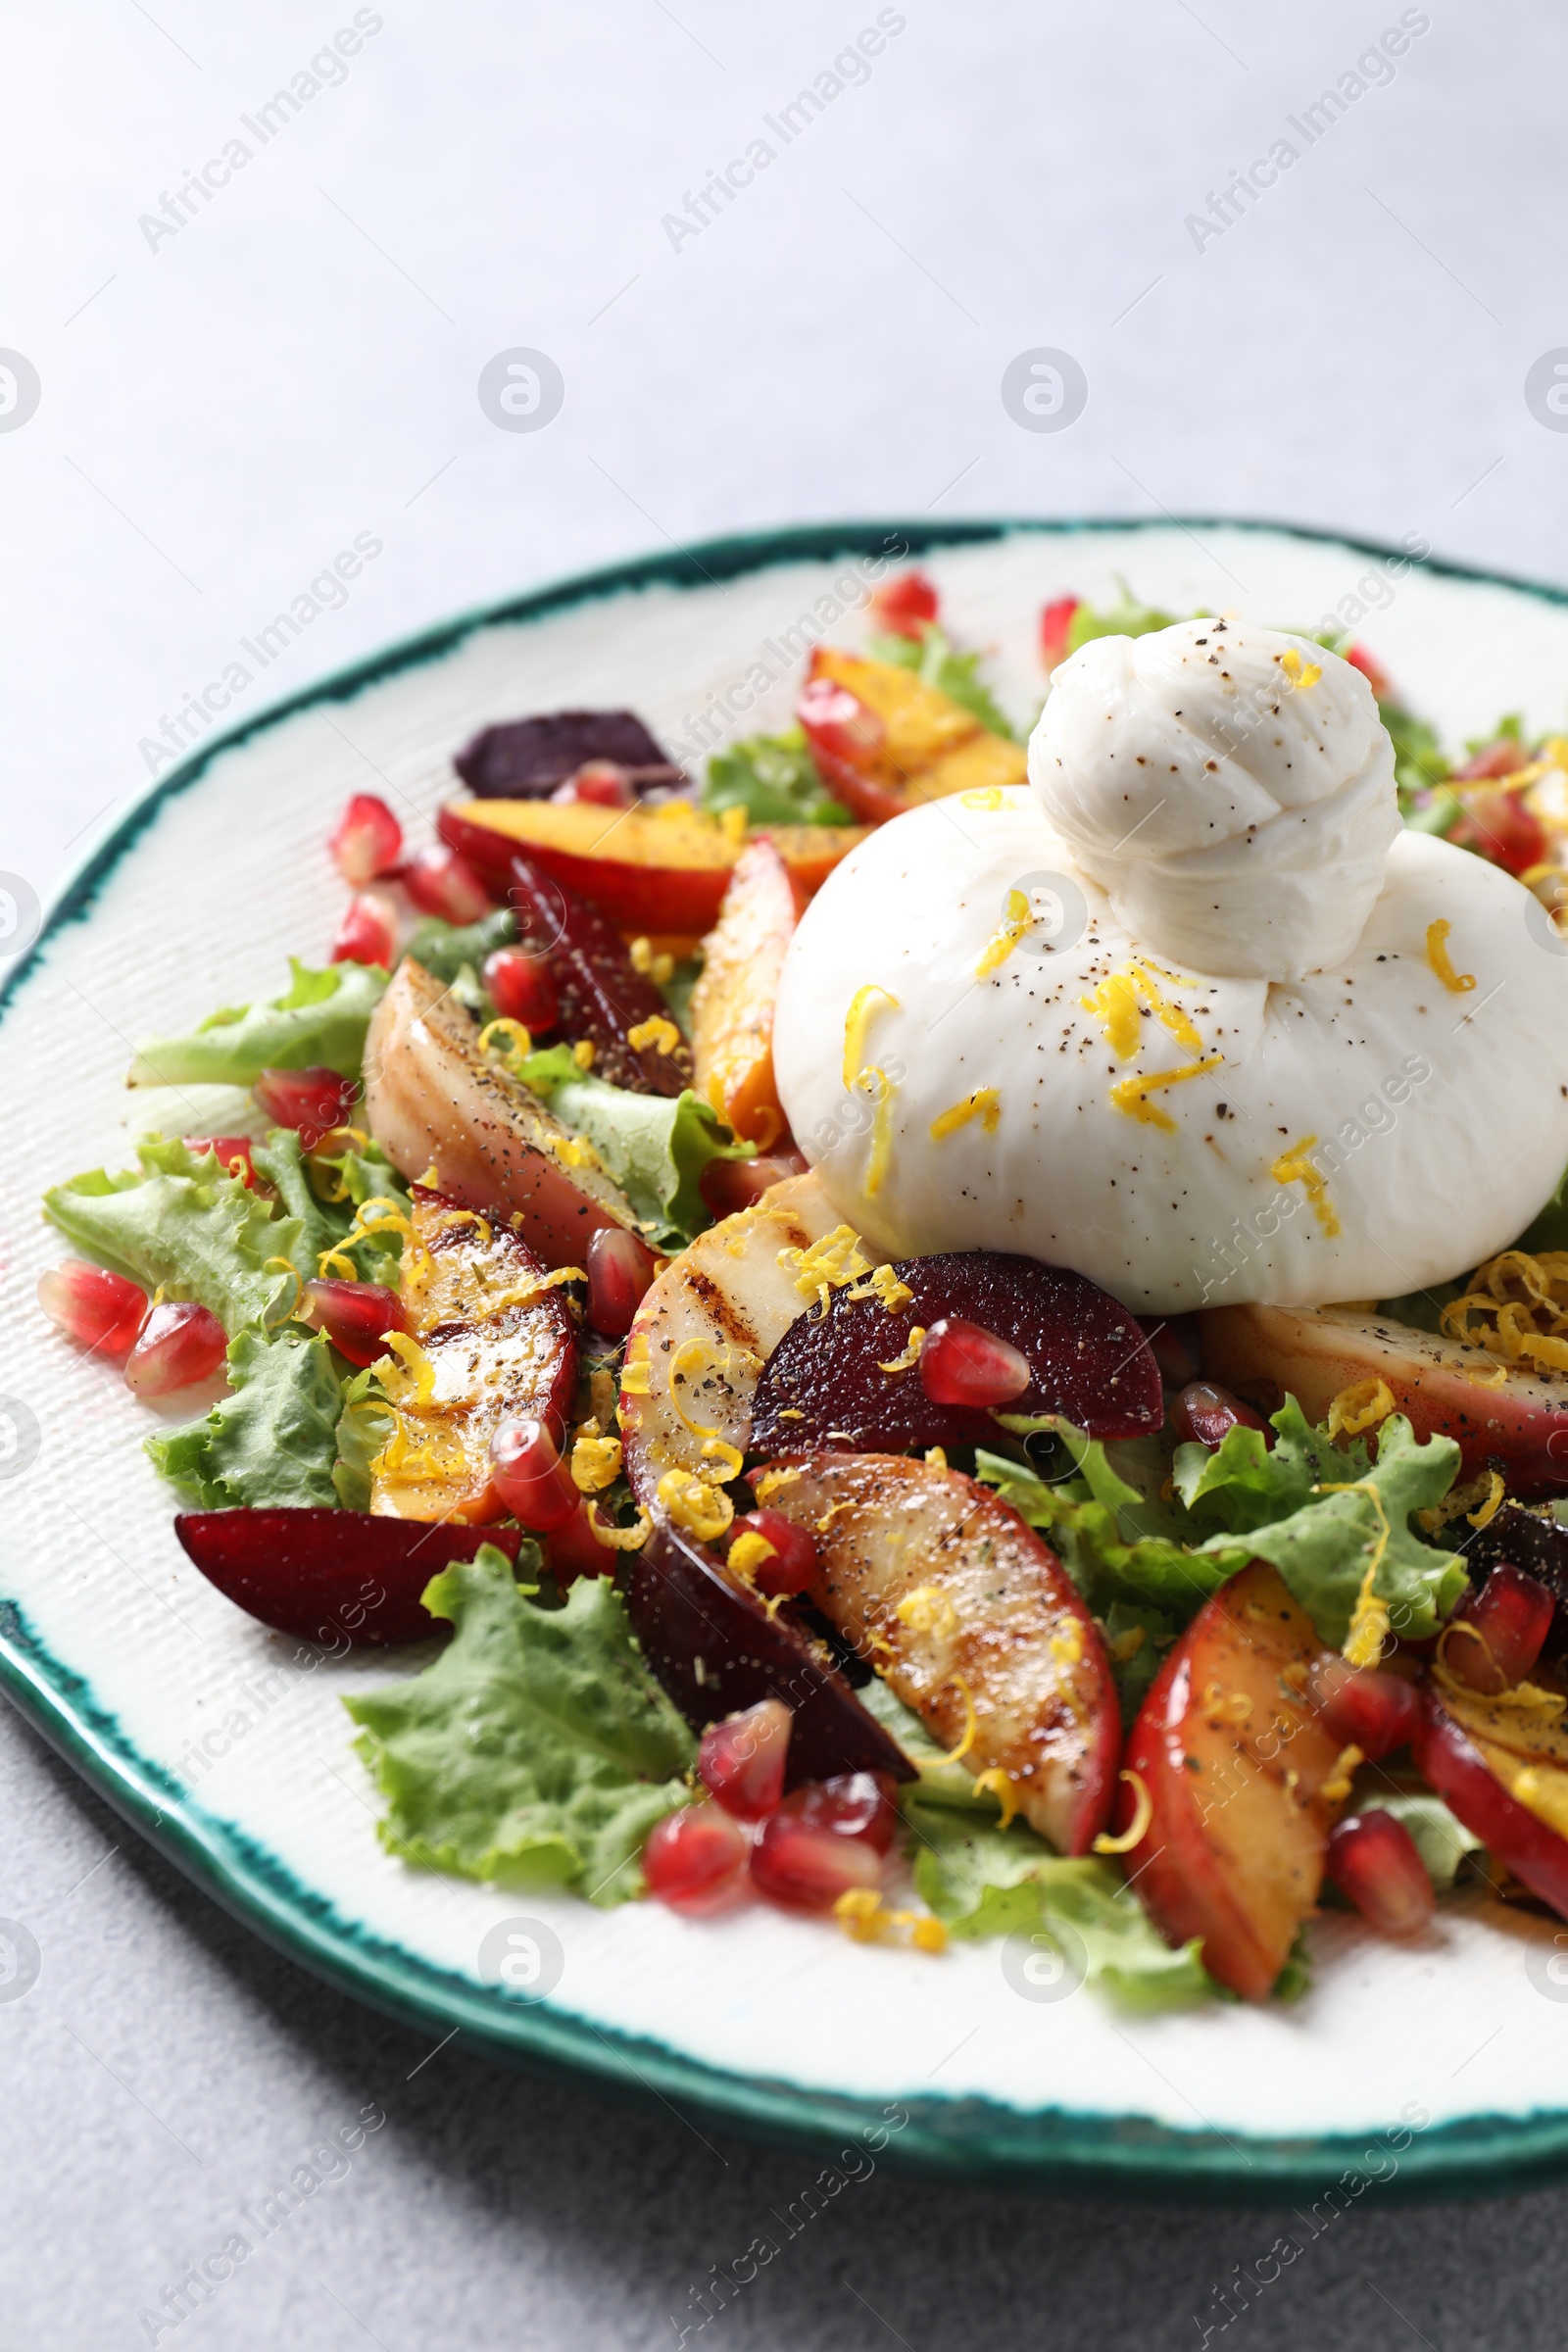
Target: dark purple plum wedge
332	1576
715	1649
1087	1359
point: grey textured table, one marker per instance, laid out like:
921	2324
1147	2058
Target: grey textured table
234	378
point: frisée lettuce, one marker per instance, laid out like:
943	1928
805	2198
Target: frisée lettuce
270	1443
181	1223
983	1880
352	1176
537	1748
1335	1520
773	779
321	1021
1071	1921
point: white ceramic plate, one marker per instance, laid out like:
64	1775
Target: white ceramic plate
228	1744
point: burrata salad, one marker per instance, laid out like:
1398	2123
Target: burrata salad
961	1334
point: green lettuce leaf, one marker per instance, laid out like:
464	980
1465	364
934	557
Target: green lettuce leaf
456	954
1245	1482
1115	1543
321	1021
280	1162
1129	619
1121	1543
364	1427
655	1146
774	779
957	675
1419	764
327	1224
552	1067
1441	1840
1510	728
537	1747
181	1222
983	1881
446	948
272	1443
1322	1542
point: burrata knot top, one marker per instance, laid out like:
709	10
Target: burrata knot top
1231	790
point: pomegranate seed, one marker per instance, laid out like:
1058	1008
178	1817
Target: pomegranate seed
1203	1414
1372	1859
621	1268
1513	1613
907	607
1055	626
793	1563
573	1550
964	1363
234	1153
839	722
528	1473
180	1342
366	840
728	1186
367	933
97	1309
741	1761
1497	825
1376	1711
440	882
354	1316
313	1100
1376	676
695	1861
806	1868
852	1804
602	781
521	988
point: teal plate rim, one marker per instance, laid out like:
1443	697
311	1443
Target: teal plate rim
1053	2150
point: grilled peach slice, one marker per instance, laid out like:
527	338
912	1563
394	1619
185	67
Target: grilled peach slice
706	1327
434	1100
1241	1772
1515	1803
650	870
884	740
959	1604
732	1005
490	1340
1264	1352
1534	1733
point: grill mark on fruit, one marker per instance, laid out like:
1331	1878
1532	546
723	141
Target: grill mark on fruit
1014	1717
720	1308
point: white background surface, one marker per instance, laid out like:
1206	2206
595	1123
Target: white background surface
299	364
